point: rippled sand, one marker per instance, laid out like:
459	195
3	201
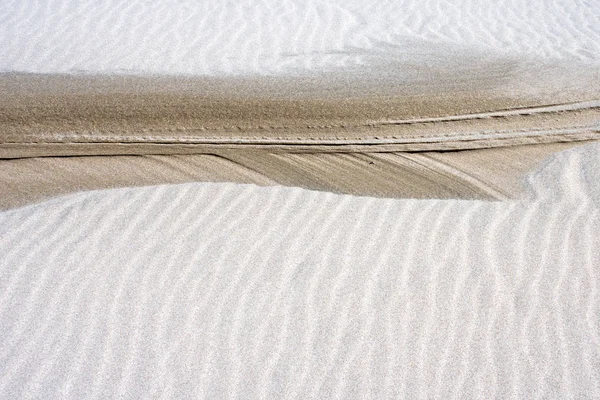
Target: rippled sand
222	290
339	206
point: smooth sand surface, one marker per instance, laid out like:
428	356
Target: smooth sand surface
236	291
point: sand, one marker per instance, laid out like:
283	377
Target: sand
361	137
491	174
219	290
301	93
304	199
182	37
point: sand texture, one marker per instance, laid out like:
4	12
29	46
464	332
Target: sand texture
299	199
186	37
64	116
491	174
296	92
236	291
470	138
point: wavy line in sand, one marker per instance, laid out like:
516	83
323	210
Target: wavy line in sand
334	294
292	36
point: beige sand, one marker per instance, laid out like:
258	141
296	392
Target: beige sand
494	173
379	138
73	115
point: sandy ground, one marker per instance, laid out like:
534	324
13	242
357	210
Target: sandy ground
493	174
206	268
364	137
220	290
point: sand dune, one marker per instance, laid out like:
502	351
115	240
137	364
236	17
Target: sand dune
362	137
238	287
53	115
223	290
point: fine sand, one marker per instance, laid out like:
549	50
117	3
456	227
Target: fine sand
237	291
492	174
302	199
472	135
286	37
328	95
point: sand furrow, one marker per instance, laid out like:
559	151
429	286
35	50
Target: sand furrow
100	288
154	272
338	302
501	293
539	313
195	279
242	278
593	304
400	320
456	280
374	294
168	309
123	298
53	308
377	234
19	279
298	223
285	292
561	297
324	240
50	303
222	295
431	272
465	383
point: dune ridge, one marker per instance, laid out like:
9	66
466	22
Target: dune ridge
224	290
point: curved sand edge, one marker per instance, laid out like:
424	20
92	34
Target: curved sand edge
492	174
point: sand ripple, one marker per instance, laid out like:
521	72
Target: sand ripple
224	290
268	36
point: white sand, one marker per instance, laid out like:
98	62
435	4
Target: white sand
290	36
237	291
222	290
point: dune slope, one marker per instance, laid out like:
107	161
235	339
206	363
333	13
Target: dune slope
223	290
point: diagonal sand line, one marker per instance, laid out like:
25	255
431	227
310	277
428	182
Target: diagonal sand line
593	104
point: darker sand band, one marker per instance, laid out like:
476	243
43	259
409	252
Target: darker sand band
459	138
53	115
